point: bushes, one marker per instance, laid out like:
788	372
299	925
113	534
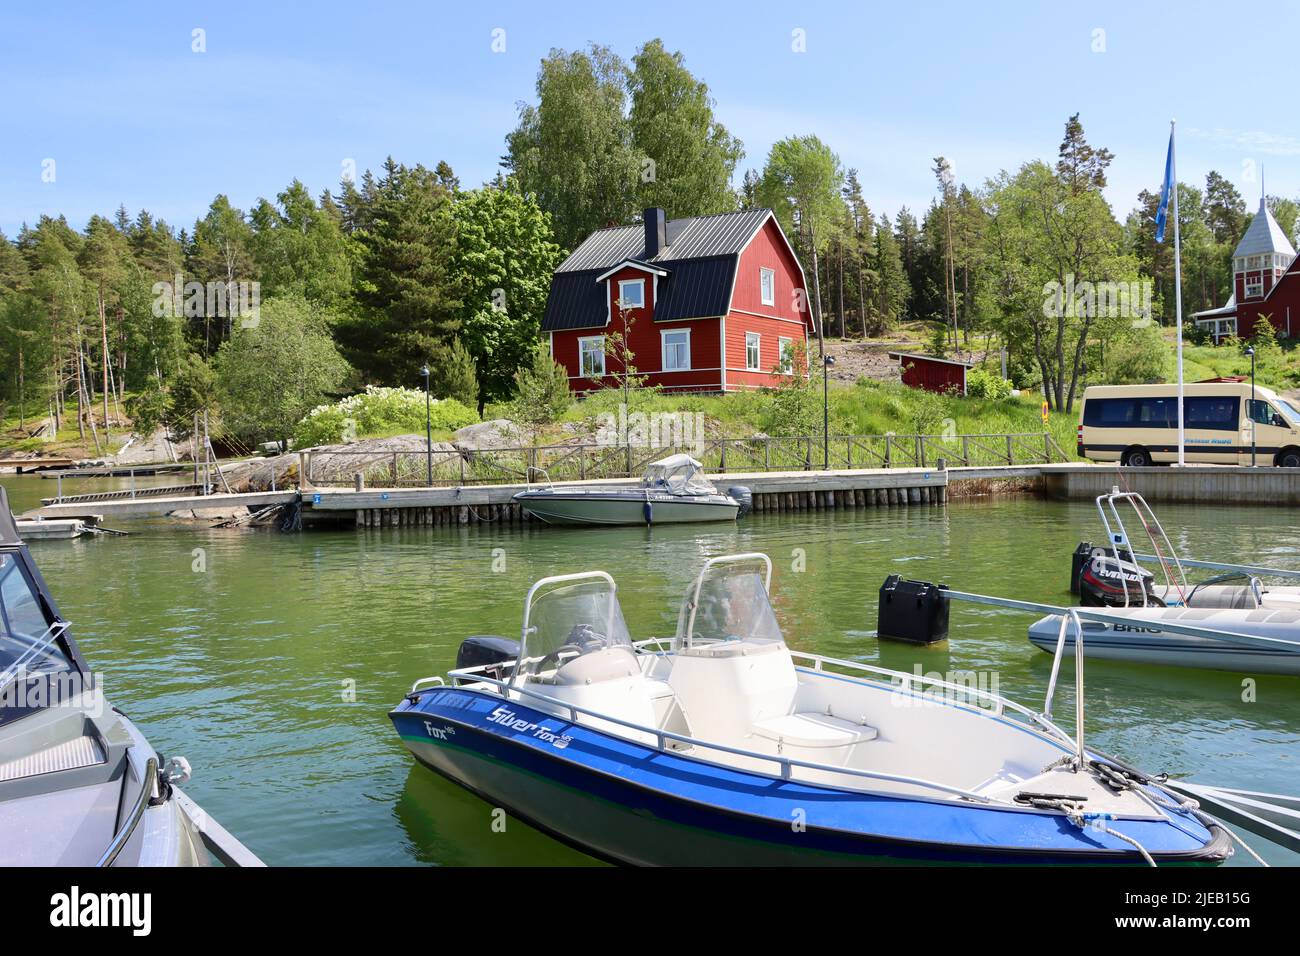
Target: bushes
379	411
983	384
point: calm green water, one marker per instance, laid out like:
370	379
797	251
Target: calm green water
243	667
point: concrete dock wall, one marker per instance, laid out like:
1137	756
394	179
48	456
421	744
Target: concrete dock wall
1194	484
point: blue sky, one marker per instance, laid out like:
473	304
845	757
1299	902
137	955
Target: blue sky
129	114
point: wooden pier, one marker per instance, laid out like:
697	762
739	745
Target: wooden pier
773	492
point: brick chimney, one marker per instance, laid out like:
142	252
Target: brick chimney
656	232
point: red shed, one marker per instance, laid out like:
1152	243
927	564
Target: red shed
931	373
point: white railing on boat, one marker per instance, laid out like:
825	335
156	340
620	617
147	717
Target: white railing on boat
906	681
786	764
1221	566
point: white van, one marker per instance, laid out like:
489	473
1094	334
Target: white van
1138	425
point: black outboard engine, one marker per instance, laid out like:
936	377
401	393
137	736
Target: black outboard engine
744	496
1110	581
488	649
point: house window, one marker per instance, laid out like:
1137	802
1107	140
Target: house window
785	346
631	294
1254	287
767	285
591	356
751	352
676	346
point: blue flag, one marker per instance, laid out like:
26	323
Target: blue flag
1162	213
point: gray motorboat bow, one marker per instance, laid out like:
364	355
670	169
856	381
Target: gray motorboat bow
673	490
79	783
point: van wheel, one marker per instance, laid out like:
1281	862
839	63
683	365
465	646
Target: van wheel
1288	458
1136	457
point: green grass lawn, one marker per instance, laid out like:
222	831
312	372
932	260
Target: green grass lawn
866	408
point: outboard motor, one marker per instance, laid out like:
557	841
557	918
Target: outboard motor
488	649
1110	581
744	496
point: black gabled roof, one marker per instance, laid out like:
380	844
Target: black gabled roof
701	258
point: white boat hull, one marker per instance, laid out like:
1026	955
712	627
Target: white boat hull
1136	637
581	507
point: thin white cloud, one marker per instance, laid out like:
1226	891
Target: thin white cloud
1251	140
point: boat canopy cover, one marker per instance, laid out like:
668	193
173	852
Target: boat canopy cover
732	606
567	622
678	475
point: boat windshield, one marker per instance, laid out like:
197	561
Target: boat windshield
732	606
678	475
29	649
563	623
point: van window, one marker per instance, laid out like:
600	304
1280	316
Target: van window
1131	413
1213	412
1261	412
1110	412
1158	413
1290	412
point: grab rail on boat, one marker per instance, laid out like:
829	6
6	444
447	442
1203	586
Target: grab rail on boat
1220	566
123	836
1121	541
787	764
906	681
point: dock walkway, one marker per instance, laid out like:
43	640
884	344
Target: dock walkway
772	492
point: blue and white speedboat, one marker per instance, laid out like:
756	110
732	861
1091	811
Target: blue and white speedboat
724	746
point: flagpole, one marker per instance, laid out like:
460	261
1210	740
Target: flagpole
1178	286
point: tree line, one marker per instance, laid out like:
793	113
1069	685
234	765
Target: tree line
404	269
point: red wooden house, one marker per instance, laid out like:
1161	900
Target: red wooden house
714	303
1265	284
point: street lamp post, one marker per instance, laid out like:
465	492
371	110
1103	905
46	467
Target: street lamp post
1250	350
428	427
827	362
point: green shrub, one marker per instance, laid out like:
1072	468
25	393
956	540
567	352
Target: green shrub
984	384
379	411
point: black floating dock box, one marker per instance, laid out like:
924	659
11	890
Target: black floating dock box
912	611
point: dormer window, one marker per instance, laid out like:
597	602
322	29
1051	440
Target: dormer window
631	293
767	286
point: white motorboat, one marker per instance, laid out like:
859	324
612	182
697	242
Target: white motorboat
673	490
725	747
1233	621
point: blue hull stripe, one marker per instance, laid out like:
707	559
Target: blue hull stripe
695	793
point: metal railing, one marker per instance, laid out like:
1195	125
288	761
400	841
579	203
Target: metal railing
583	461
123	835
661	737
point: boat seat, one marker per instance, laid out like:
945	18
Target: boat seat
813	730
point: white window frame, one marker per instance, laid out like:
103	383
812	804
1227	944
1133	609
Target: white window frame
758	350
663	349
767	275
622	296
582	350
784	342
1254	287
